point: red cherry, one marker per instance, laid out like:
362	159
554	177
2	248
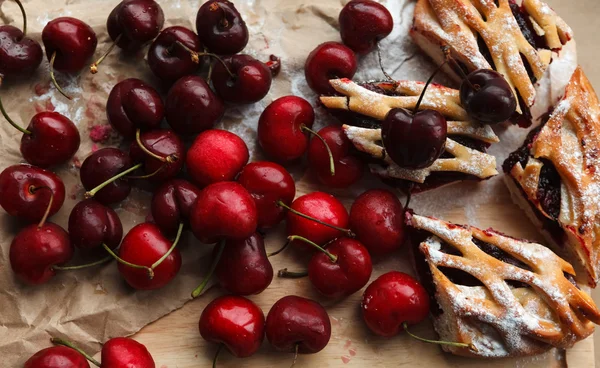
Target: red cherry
162	153
376	217
391	300
169	55
249	83
280	128
268	183
92	224
57	357
223	210
123	352
99	167
135	23
72	42
216	155
19	55
363	23
172	204
235	322
25	192
329	60
221	28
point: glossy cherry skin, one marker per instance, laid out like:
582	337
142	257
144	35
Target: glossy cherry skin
347	275
268	183
414	141
36	249
294	320
23	192
101	166
92	224
392	299
492	101
73	41
223	210
216	155
376	217
123	352
363	23
172	204
323	207
244	268
143	245
164	143
137	21
19	55
57	357
279	128
348	168
192	107
132	105
221	28
168	60
251	83
329	60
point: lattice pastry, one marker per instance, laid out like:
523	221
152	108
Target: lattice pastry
366	105
555	177
506	297
517	41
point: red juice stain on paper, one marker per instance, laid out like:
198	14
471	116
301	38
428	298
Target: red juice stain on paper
347	344
41	89
352	352
100	133
345	359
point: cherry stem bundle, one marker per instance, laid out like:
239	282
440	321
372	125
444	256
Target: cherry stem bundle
331	160
418	105
291	274
196	293
348	232
48	208
94	66
214	364
438	342
89	194
58	341
52	59
24	16
332	257
11	122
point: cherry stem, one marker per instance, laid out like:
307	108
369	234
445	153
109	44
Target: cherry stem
48	208
437	342
194	55
291	274
446	51
279	250
295	355
57	341
94	66
196	293
122	261
210	71
175	242
348	232
161	168
332	257
381	65
24	16
169	159
408	196
418	105
15	125
54	78
331	161
217	355
91	193
73	268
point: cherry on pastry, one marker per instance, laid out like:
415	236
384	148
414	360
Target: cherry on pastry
487	97
363	23
57	357
133	105
329	60
221	28
174	54
172	204
241	79
377	219
160	151
216	155
19	55
102	175
28	190
235	323
268	183
69	43
192	107
223	210
92	224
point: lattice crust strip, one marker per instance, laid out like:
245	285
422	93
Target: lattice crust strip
499	319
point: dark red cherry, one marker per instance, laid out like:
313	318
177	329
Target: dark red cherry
73	42
487	97
329	60
192	107
162	153
92	224
363	23
137	22
221	28
57	357
414	141
250	82
132	105
168	59
101	166
19	55
172	204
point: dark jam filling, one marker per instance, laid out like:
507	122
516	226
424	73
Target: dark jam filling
521	155
549	190
524	22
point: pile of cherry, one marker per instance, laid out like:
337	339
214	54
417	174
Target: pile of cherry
221	197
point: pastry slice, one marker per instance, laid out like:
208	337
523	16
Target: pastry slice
507	297
555	177
363	107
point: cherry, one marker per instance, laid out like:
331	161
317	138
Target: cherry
487	97
274	65
172	204
192	107
92	224
57	357
268	183
221	27
329	60
363	23
132	105
223	210
282	127
26	192
299	325
241	79
216	155
376	217
161	152
123	352
169	55
99	168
